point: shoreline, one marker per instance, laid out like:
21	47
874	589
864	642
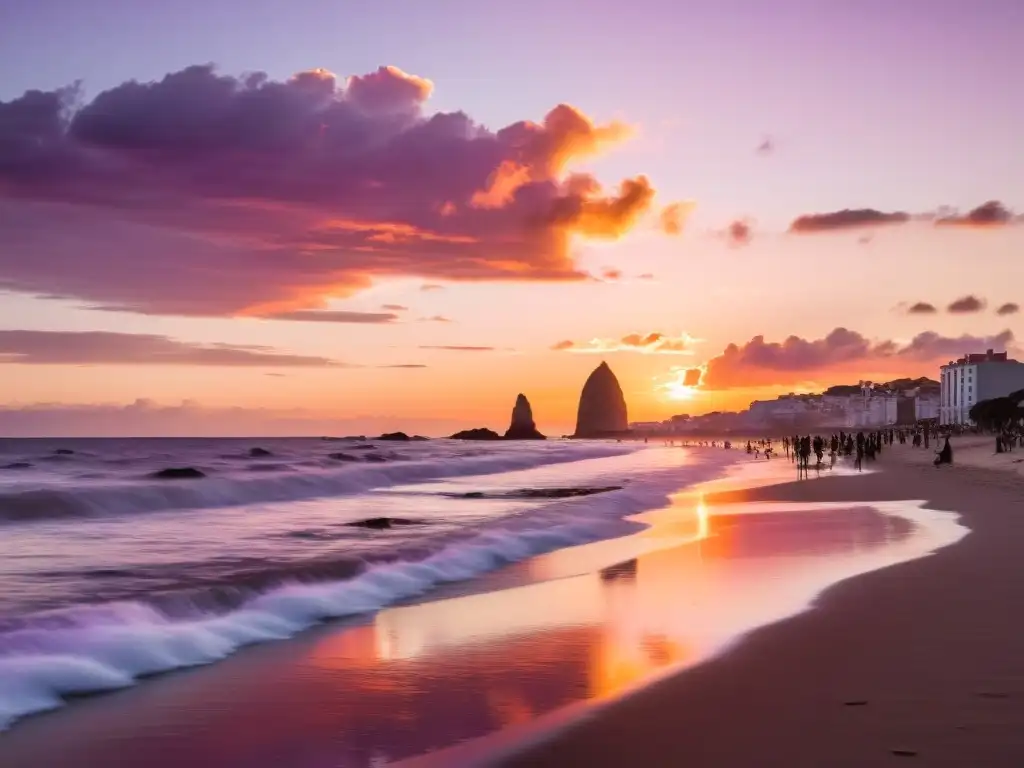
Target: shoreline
285	655
917	659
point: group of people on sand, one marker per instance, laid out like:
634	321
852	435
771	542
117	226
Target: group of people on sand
859	446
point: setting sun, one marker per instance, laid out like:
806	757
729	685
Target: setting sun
677	391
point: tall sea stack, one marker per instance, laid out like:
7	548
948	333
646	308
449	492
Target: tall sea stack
522	426
602	411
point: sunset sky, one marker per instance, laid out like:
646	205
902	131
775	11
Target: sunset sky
419	210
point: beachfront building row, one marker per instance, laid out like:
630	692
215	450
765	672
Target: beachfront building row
973	378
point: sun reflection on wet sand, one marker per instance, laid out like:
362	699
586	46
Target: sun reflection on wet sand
593	622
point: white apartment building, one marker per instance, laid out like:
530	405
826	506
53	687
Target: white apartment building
973	378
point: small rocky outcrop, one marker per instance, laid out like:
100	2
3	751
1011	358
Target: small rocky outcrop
481	433
398	437
602	409
522	426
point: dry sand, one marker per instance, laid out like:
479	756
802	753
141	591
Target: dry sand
921	663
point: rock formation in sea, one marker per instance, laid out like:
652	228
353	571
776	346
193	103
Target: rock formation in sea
602	410
481	433
522	426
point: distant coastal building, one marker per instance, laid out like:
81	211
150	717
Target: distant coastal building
973	378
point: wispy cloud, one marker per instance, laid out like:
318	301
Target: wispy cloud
646	343
106	348
458	348
334	316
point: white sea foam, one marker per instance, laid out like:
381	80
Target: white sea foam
21	502
93	649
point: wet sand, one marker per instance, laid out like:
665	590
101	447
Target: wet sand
921	663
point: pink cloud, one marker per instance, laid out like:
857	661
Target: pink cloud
206	194
796	360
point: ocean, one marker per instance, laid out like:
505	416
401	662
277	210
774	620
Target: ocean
112	571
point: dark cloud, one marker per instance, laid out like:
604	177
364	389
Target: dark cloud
394	307
436	319
206	194
738	232
403	365
1009	308
458	348
846	219
922	308
762	363
966	305
992	213
334	316
649	343
105	348
766	147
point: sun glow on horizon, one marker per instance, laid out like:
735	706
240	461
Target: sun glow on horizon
678	391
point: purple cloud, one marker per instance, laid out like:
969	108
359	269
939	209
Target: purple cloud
1009	308
205	194
106	348
762	363
966	305
922	308
846	219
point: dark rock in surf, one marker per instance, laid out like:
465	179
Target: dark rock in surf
539	493
63	452
522	426
365	447
382	523
481	433
375	458
419	438
602	409
179	473
259	453
342	457
399	437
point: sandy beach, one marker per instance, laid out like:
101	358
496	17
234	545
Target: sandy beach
920	662
560	651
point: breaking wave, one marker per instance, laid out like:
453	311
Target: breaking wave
90	649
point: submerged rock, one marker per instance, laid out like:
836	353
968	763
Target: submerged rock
481	433
259	453
382	523
179	473
342	457
602	409
522	426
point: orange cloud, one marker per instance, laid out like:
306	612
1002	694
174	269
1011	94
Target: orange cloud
646	343
673	217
